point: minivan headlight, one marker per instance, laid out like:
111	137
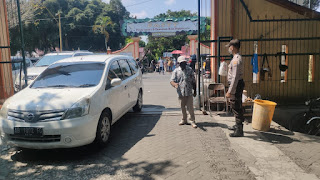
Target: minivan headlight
79	109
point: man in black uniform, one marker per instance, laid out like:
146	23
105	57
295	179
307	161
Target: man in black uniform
235	79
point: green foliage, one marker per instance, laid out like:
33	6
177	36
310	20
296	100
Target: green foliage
142	44
78	19
314	4
158	45
182	13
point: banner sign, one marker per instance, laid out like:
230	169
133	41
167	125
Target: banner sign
167	54
162	27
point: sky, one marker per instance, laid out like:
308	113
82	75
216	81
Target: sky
151	8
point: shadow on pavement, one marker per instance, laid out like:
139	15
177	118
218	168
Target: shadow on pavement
203	125
270	137
96	162
281	132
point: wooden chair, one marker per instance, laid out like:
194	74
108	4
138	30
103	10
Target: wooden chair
219	95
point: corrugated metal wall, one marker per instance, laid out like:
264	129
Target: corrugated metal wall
274	29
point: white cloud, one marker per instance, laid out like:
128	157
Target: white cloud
142	14
170	2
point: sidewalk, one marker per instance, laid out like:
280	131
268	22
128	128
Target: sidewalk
263	152
277	154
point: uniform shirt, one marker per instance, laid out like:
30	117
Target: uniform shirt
185	79
235	72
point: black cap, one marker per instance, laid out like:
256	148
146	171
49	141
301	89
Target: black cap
234	42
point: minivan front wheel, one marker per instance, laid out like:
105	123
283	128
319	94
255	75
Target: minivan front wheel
103	129
138	106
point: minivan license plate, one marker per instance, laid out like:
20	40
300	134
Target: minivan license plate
28	131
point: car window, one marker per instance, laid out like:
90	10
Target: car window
116	68
114	72
48	60
82	54
133	65
28	62
16	66
76	75
126	71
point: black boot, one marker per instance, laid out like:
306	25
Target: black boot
232	128
238	132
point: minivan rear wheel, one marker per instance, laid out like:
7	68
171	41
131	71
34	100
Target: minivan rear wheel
138	106
103	129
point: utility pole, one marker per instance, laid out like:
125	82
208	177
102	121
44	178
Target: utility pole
309	4
60	33
58	21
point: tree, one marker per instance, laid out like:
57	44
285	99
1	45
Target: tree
102	25
182	13
78	17
142	44
158	45
117	12
313	3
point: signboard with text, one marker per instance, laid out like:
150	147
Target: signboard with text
162	27
167	54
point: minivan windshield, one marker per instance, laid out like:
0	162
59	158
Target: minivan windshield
48	60
71	74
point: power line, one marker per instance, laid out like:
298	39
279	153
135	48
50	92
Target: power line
47	19
139	3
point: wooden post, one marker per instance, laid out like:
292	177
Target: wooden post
6	82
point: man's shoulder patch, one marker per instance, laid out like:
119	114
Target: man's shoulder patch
235	62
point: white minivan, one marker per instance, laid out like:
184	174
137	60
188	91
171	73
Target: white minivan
72	103
17	66
43	63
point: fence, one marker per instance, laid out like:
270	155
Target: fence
9	67
283	35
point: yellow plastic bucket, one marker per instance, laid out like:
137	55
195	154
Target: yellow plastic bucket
262	115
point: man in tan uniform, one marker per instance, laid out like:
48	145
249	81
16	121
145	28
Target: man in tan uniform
235	79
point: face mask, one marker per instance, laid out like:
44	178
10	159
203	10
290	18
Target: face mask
230	51
183	65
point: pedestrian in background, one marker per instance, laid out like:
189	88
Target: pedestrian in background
170	64
153	63
161	66
184	81
236	86
174	64
165	64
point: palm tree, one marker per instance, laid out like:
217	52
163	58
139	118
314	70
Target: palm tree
100	27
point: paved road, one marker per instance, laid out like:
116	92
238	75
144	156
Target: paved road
149	145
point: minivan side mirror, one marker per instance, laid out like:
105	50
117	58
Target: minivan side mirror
116	82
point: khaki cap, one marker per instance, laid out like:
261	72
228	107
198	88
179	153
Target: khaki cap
234	42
